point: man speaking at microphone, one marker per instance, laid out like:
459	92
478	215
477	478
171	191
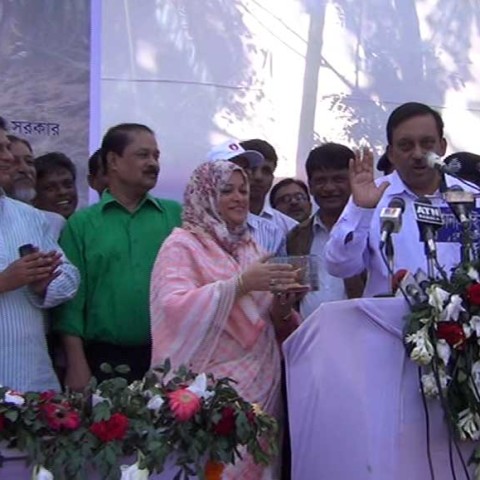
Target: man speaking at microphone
413	130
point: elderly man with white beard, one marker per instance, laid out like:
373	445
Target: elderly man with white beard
21	184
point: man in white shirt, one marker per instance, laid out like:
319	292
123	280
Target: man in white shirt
413	130
261	180
327	172
29	284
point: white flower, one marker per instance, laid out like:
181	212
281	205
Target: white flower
429	383
422	351
199	387
155	403
468	425
96	399
133	472
473	274
137	385
41	473
443	351
437	297
454	308
15	398
475	324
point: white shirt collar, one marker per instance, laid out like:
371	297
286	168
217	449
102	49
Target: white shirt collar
318	224
398	187
267	210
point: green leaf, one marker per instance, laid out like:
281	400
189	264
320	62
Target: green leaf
11	415
106	368
122	369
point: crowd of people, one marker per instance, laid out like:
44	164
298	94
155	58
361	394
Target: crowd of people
134	279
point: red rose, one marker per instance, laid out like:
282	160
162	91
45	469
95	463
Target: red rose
47	396
251	416
452	333
226	424
114	428
60	415
473	294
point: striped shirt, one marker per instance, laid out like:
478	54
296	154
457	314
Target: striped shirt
24	361
267	235
282	221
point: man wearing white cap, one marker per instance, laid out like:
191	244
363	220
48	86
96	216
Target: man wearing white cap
268	235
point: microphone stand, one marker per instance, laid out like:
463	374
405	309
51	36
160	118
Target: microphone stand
431	254
466	247
389	253
430	263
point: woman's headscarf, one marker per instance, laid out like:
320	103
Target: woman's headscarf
200	209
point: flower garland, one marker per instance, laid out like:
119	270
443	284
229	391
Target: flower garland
442	335
191	418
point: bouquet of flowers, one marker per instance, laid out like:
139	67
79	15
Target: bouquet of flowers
442	334
194	419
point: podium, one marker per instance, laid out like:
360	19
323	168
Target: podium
355	407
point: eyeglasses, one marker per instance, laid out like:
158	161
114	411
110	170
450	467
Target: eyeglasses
288	197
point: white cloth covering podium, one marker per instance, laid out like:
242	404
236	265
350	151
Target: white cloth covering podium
355	407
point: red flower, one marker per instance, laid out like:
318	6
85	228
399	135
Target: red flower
226	424
251	416
452	333
397	279
114	428
60	415
48	395
184	404
473	294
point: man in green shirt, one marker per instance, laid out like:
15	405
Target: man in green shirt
114	244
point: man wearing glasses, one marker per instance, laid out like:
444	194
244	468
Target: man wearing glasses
291	197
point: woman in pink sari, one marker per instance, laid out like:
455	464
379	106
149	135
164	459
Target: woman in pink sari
210	302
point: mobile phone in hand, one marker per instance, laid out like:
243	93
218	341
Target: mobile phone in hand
26	249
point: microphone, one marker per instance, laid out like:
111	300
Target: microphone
435	161
391	219
461	203
467	165
429	220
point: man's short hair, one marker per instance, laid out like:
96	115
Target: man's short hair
53	161
3	124
15	139
94	162
261	146
329	156
409	110
284	183
117	138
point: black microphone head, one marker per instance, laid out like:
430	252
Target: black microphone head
397	202
465	165
423	200
426	213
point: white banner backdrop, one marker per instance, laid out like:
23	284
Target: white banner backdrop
45	69
295	72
